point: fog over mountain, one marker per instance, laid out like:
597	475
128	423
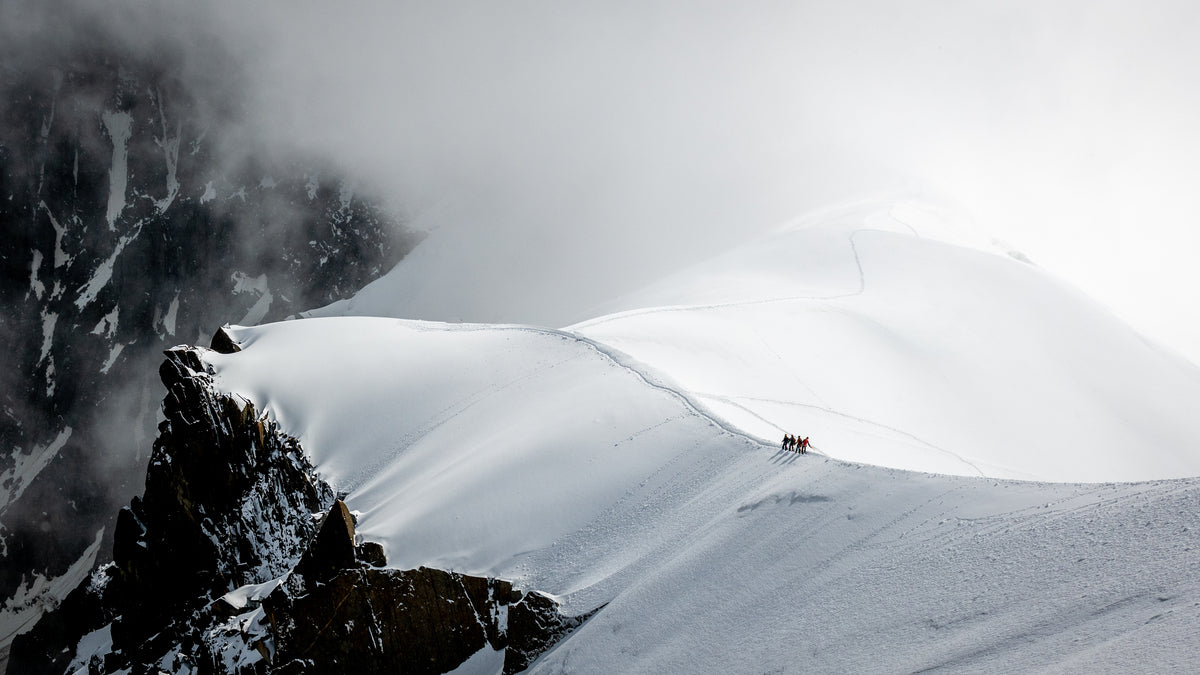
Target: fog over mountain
139	211
168	167
1065	129
969	500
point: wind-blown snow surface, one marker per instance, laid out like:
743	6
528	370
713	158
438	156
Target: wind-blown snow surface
632	460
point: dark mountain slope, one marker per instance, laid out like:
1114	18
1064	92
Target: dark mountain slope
137	214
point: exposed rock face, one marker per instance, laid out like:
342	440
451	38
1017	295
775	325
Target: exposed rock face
334	615
333	549
535	625
135	219
228	502
225	519
227	499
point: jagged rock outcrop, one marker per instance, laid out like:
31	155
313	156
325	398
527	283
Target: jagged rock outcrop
333	614
333	548
220	567
222	342
228	502
534	625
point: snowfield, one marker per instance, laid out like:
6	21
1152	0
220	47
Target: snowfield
894	349
632	460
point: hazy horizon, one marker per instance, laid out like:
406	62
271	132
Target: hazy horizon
576	149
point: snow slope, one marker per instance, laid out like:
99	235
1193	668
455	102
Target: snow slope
465	445
632	460
532	455
893	348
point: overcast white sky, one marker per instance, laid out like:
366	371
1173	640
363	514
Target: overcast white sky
562	139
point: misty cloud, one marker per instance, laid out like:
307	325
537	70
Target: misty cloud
133	193
591	143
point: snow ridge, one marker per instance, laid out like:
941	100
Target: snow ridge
119	126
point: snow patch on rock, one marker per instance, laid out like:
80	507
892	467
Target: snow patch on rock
60	231
49	320
119	126
35	285
170	148
104	271
97	643
27	466
244	283
107	325
112	358
168	321
32	599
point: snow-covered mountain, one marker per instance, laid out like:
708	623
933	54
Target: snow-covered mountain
629	465
877	333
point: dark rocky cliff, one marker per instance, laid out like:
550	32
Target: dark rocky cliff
335	613
228	505
227	502
137	214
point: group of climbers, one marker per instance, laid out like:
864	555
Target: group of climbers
795	444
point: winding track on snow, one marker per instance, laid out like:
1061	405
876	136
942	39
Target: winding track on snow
655	380
643	372
641	369
831	411
651	378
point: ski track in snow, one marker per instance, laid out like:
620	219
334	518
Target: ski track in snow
779	357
